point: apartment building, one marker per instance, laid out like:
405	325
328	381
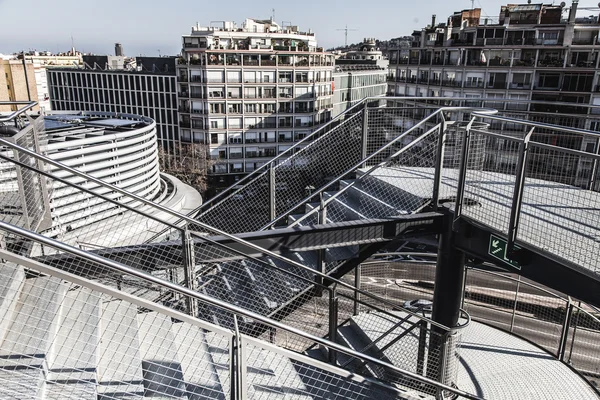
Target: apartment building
541	52
150	90
250	92
358	74
17	83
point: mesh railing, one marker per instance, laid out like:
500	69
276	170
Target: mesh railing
150	349
537	186
562	326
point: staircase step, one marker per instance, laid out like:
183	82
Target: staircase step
163	375
120	374
342	208
392	194
27	344
275	286
12	279
218	349
272	376
73	364
245	291
369	205
199	370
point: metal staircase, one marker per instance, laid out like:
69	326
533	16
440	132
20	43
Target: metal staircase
255	257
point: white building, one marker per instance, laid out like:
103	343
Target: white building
251	92
358	74
43	60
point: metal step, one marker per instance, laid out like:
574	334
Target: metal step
163	375
275	286
369	205
72	367
199	370
27	345
342	208
392	194
120	374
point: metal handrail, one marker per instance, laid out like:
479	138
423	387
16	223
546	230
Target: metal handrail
205	226
440	110
180	316
29	105
221	304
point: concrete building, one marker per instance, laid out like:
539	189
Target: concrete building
359	74
541	52
250	92
41	61
17	82
149	91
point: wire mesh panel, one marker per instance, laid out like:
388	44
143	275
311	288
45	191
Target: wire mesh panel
62	340
559	213
293	178
489	188
582	347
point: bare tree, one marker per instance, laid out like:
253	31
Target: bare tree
190	164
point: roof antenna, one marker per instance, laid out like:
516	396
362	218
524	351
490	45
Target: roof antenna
272	15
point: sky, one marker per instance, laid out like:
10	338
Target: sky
153	27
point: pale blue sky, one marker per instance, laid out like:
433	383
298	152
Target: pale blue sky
145	27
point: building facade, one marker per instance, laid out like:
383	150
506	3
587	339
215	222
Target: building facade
44	60
249	93
151	94
358	74
17	83
538	52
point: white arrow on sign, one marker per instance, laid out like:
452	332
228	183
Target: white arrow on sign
495	244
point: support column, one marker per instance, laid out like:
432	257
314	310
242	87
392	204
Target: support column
447	299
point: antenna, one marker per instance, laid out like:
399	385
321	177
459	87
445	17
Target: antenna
273	14
346	34
472	4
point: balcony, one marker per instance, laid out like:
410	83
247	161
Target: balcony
496	85
196	95
303	110
451	83
196	78
549	42
499	62
185	124
584	41
523	63
520	86
473	84
551	63
182	78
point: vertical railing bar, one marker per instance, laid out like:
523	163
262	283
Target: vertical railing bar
564	336
512	320
462	175
357	282
272	184
439	162
515	212
365	130
594	171
333	318
574	333
189	266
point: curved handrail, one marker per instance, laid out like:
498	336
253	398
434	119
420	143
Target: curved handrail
223	305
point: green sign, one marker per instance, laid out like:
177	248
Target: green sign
498	249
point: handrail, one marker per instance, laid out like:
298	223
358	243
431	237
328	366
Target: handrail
369	172
205	226
440	110
221	304
180	316
542	125
13	115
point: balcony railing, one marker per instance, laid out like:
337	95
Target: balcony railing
556	63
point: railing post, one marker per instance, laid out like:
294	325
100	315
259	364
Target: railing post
439	162
333	318
189	267
272	184
321	265
462	175
515	212
365	133
357	273
592	181
422	347
237	365
564	336
512	320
